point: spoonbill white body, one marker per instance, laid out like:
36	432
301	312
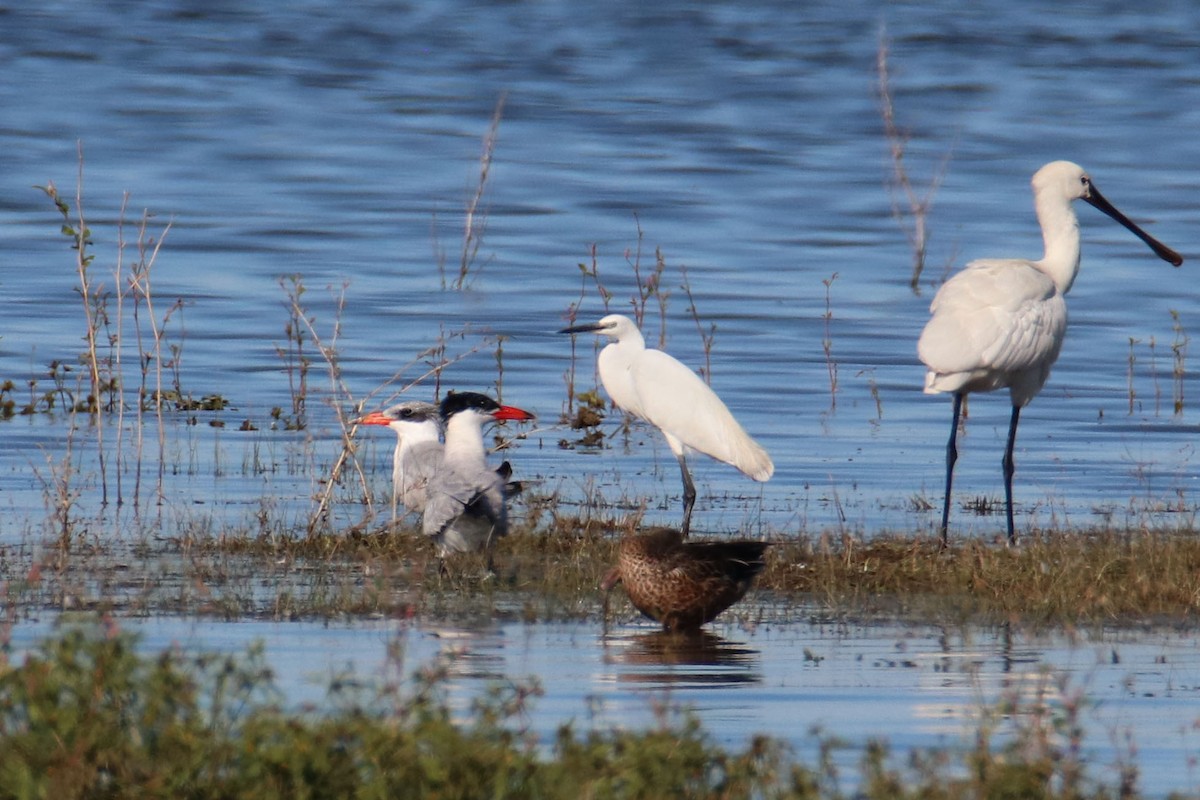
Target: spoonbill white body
418	453
1000	322
654	386
465	500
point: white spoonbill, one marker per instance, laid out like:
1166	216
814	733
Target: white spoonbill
465	500
656	387
1000	322
418	453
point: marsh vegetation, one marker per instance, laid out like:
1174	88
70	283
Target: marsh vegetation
120	541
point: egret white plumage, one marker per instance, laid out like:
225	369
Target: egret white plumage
1000	322
465	499
657	388
418	451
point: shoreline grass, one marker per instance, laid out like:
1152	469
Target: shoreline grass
553	573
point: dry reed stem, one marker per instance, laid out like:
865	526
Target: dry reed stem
708	338
1179	358
588	271
918	205
118	367
831	364
338	390
142	293
476	220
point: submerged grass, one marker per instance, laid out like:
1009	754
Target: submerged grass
85	714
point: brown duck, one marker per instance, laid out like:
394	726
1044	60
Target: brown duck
683	584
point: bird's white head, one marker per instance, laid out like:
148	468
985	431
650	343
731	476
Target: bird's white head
615	326
1064	178
1060	182
412	418
479	408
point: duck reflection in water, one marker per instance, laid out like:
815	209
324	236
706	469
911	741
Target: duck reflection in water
695	658
683	584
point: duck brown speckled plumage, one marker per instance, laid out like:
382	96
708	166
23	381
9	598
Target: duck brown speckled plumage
683	584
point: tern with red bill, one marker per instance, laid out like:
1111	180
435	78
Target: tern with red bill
465	499
418	453
999	323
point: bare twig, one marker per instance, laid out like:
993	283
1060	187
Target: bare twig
827	341
648	286
142	295
1132	391
93	299
295	361
477	214
1179	352
707	338
914	219
1154	377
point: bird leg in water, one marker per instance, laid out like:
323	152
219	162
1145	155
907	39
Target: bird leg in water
1009	469
951	457
689	494
611	579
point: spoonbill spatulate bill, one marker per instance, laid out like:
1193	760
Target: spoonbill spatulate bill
999	323
657	388
465	501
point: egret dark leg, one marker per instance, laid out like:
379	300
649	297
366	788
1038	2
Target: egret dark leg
1009	468
951	457
689	495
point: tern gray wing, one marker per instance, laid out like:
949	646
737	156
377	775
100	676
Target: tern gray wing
463	511
417	467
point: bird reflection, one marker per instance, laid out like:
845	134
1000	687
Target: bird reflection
695	658
472	653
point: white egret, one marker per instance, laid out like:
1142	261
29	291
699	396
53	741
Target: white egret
465	499
1000	322
654	386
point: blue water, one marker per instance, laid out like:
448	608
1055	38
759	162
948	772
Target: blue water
1136	696
744	141
342	144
